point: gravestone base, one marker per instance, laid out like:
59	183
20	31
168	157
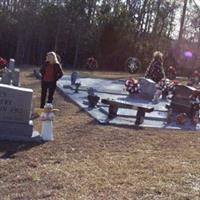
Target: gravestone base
18	132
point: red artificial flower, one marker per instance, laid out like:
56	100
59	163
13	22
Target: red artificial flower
3	61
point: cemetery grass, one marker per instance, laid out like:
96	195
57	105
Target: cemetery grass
94	162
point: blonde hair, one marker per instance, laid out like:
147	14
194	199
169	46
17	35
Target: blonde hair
55	58
157	55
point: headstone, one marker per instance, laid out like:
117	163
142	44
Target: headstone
6	77
181	101
11	64
11	75
37	74
74	77
147	88
15	77
15	111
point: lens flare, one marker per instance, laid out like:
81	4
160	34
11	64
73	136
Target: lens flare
188	54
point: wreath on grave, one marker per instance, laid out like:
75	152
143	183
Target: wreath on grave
132	65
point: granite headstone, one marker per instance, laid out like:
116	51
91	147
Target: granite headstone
6	77
147	88
181	101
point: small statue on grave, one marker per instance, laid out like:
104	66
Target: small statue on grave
77	86
74	77
132	86
47	117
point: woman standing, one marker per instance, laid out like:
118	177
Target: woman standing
155	70
51	71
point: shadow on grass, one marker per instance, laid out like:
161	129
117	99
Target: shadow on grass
94	122
81	110
9	149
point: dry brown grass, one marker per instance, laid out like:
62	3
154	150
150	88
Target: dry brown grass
93	162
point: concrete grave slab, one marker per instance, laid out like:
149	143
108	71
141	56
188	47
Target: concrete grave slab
114	89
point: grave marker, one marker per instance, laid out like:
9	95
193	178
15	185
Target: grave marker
74	77
147	88
15	111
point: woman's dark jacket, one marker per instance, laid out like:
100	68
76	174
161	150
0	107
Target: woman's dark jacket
155	71
58	72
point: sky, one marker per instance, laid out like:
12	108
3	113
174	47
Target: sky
178	16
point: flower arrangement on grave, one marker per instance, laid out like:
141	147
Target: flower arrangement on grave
164	87
132	86
3	63
171	73
169	88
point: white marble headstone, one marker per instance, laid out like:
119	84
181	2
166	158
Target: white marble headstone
6	77
15	104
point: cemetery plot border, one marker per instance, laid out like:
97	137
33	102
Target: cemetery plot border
100	112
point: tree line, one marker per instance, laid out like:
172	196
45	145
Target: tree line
109	30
